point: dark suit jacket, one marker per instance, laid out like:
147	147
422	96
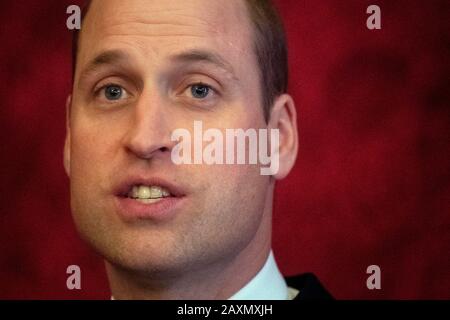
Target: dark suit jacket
309	287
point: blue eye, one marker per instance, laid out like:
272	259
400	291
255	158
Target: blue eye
113	92
200	91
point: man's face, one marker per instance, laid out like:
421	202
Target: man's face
146	68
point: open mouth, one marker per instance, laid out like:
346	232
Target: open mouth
148	198
148	194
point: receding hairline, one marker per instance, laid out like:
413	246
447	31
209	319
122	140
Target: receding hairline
194	54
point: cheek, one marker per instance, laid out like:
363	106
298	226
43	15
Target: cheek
84	174
92	153
86	154
94	140
234	188
89	176
235	181
235	202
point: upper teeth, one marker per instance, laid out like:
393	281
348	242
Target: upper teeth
148	192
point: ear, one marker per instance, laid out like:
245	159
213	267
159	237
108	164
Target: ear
284	118
67	141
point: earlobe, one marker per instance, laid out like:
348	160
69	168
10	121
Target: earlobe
284	118
67	140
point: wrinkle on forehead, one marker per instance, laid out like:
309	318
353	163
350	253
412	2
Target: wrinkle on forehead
169	17
158	28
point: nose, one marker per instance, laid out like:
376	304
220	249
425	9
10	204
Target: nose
149	132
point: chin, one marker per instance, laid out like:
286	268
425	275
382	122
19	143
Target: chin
142	256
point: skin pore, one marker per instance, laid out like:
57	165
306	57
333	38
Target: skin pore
144	69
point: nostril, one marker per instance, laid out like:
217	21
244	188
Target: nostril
146	151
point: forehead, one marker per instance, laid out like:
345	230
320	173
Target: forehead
155	28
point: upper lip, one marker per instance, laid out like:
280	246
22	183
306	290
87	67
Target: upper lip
124	186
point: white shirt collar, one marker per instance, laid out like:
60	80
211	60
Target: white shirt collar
268	284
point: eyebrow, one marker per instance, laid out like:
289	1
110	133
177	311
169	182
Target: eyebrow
206	57
114	57
110	57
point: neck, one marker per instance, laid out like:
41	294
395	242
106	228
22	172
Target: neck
219	280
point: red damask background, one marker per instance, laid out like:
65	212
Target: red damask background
371	185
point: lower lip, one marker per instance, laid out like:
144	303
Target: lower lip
131	209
